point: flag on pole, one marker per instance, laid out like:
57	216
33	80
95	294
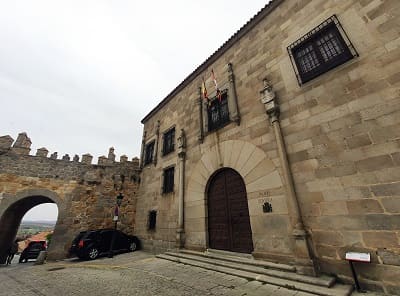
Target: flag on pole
216	85
204	91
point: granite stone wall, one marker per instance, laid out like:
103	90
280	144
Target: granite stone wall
341	132
85	193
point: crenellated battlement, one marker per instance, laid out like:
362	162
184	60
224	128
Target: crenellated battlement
22	146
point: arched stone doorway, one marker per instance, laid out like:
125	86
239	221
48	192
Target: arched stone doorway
14	209
228	214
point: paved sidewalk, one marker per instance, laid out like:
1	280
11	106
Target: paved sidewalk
137	273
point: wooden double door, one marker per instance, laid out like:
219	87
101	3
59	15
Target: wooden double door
228	213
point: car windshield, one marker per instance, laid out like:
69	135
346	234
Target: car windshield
36	245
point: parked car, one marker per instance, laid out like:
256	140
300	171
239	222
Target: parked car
94	243
32	250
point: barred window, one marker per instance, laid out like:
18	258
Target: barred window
168	182
149	152
320	50
218	112
169	141
152	220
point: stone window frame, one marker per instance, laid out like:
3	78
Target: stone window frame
220	107
152	220
325	47
229	88
149	157
168	181
168	141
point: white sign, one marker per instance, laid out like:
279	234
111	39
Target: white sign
354	256
115	218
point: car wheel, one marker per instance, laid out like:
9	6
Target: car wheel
132	247
93	253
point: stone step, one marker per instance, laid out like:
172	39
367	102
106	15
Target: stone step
337	290
251	265
229	256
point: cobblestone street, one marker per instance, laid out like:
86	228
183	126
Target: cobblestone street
136	273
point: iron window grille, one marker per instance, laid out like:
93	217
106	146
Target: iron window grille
168	182
169	141
152	220
149	152
218	112
320	50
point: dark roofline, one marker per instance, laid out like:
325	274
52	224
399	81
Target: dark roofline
266	10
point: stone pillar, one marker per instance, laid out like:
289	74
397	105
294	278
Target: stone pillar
180	232
123	158
22	145
200	107
155	152
305	264
232	97
142	150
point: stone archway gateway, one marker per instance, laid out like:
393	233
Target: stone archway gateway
228	214
14	210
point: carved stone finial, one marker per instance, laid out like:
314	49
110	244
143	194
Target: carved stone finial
111	154
53	155
76	158
182	139
268	98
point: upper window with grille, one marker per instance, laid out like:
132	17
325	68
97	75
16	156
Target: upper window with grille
218	113
323	48
149	152
169	141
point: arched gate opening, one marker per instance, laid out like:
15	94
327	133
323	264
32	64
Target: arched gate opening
11	219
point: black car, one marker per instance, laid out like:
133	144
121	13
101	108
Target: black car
32	250
94	243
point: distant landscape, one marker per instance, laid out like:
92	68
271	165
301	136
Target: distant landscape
33	227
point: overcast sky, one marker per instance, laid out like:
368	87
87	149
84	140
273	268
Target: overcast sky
78	76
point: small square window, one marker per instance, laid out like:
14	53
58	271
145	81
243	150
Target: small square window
320	50
149	152
168	182
152	220
218	113
169	141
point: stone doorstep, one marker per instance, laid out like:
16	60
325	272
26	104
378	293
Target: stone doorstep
230	256
337	290
323	281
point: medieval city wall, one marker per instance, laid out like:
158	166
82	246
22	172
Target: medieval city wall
85	193
340	130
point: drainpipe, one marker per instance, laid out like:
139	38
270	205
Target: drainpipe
304	262
180	232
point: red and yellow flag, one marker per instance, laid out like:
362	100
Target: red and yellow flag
219	96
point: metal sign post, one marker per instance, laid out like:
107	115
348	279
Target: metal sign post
357	257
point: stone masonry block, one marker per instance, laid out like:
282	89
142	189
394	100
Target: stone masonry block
374	163
391	204
379	239
383	221
386	189
358	141
87	158
360	206
332	238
